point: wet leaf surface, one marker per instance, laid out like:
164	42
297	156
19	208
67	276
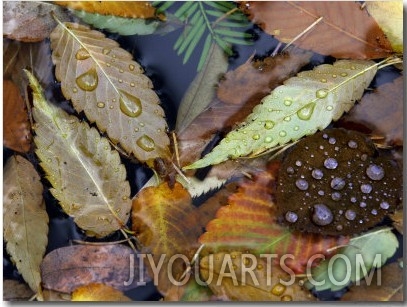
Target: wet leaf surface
95	292
70	267
345	31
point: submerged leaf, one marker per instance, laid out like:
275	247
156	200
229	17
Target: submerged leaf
96	292
25	219
303	105
369	250
102	80
87	176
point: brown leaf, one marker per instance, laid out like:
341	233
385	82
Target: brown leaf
381	112
127	9
164	221
96	292
14	290
390	288
346	31
30	21
67	268
241	90
265	282
16	126
249	223
398	220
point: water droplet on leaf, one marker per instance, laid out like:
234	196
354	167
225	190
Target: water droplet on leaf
322	215
82	54
305	113
146	143
375	172
88	81
330	163
322	93
130	105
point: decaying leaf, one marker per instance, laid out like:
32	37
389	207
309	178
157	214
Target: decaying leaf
116	265
240	91
367	251
16	126
30	21
393	26
381	111
303	105
386	285
191	292
96	292
249	223
244	277
128	9
164	221
13	290
398	220
25	220
345	30
87	176
102	80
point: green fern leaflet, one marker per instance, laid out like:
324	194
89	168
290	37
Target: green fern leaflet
217	21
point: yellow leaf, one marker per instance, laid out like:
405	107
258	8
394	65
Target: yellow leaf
98	292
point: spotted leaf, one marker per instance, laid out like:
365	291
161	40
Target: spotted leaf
86	175
102	80
304	104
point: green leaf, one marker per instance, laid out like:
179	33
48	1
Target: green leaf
300	107
86	175
373	248
120	25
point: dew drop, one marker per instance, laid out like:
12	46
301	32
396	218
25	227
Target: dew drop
132	84
366	188
120	80
321	193
131	67
121	70
336	196
323	80
130	105
322	215
322	93
330	163
329	108
288	102
106	51
352	144
350	215
374	211
291	217
146	143
325	136
82	54
282	133
338	183
268	139
344	74
317	174
296	128
256	137
298	163
290	170
305	112
75	90
332	141
334	76
353	199
384	205
375	172
339	227
362	204
302	184
88	81
363	157
136	129
100	104
278	289
286	298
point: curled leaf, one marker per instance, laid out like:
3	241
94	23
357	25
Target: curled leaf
303	105
87	176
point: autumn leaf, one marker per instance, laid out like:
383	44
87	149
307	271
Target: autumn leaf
381	111
249	223
102	80
25	219
97	292
87	176
345	30
392	27
16	126
14	290
67	268
164	221
237	94
244	277
372	249
398	220
30	21
386	285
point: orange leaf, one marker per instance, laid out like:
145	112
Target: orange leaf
95	292
249	223
127	9
345	31
16	126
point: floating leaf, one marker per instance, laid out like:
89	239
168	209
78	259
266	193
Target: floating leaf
381	111
249	223
67	268
345	31
102	80
367	251
29	21
243	277
15	291
300	107
164	221
25	219
96	292
392	27
87	176
16	126
389	289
